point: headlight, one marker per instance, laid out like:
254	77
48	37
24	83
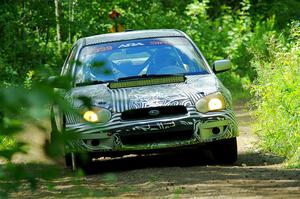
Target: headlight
212	102
90	116
97	114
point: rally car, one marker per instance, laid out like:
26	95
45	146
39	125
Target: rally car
150	90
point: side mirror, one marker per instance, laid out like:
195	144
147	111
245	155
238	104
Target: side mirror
221	65
52	79
59	81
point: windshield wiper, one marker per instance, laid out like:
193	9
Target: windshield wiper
149	76
94	82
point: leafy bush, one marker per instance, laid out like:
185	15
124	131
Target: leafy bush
22	105
277	96
6	142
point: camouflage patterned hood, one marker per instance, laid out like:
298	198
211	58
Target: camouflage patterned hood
121	99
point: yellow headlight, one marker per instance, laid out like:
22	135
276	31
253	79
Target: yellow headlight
90	116
215	104
212	102
97	114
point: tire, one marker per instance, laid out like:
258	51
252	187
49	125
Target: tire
68	160
225	151
82	161
54	135
52	120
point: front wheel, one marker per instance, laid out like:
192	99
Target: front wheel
68	160
81	161
225	151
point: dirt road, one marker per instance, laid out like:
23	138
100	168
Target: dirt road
179	175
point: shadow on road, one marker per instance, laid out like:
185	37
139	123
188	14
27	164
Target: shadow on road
188	158
177	159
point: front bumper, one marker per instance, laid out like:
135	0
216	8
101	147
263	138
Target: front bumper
160	133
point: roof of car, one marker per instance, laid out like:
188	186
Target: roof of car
137	34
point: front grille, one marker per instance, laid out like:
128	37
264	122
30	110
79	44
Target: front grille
153	112
148	138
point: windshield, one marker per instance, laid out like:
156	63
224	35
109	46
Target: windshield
118	60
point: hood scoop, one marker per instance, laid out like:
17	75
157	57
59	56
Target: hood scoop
146	82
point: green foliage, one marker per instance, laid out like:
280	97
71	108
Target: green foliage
227	36
221	29
6	142
277	95
21	105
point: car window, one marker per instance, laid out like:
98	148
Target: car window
135	59
158	56
70	61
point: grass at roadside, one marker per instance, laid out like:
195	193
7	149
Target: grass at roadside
240	96
277	97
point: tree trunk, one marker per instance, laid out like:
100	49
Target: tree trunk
71	19
23	32
58	25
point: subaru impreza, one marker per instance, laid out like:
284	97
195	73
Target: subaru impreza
149	91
